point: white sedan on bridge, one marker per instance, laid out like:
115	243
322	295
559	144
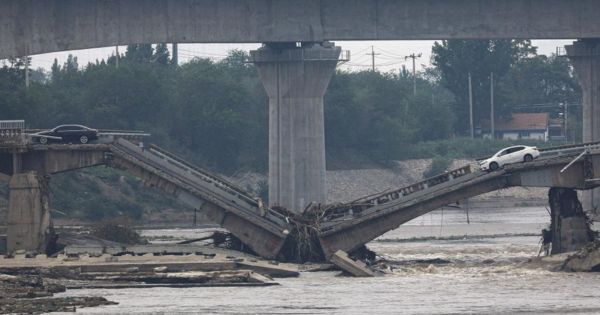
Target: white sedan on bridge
510	155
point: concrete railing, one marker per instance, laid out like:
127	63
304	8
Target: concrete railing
211	185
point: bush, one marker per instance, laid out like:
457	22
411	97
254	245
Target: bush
117	230
439	164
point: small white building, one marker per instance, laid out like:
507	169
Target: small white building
532	126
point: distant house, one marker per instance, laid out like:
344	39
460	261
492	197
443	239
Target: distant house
533	126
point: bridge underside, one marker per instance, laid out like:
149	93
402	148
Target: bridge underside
41	26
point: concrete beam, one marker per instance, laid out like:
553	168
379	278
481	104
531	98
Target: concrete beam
355	268
364	229
29	27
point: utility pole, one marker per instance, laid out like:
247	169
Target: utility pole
471	106
118	57
26	71
373	54
175	58
566	116
414	71
493	129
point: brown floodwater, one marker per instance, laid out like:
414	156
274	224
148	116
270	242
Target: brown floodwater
440	265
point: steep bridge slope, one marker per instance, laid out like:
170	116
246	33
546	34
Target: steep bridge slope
263	229
349	226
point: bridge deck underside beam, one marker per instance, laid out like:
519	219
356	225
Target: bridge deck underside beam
362	232
41	26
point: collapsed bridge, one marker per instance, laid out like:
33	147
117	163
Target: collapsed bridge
273	233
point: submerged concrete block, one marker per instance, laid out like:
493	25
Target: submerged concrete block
355	268
586	260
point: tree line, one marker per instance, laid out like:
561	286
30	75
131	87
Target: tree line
215	112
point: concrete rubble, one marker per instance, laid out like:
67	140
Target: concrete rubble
32	294
585	260
353	267
27	282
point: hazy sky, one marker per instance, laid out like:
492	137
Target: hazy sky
390	54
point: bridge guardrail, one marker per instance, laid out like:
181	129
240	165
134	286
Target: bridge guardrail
176	166
569	149
180	162
361	205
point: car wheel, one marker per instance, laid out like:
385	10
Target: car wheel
494	166
43	140
83	139
528	158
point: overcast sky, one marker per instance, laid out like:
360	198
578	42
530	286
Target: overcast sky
390	54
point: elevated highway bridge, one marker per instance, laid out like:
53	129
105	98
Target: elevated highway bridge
271	232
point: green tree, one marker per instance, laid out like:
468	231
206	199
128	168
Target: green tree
161	54
455	59
139	53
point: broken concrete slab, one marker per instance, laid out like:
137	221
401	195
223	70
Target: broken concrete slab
173	263
177	278
353	267
154	249
585	260
278	270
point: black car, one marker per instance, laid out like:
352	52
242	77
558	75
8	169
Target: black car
68	134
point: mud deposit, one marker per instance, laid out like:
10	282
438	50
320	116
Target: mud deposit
438	264
32	294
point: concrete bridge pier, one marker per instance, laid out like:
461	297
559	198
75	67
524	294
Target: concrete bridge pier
29	224
295	77
569	226
585	57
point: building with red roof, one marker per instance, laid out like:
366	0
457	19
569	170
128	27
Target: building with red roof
532	126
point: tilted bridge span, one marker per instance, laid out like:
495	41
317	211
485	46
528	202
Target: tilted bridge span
267	230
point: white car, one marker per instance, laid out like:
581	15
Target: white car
510	155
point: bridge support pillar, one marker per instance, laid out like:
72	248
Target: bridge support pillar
295	78
585	57
570	229
29	224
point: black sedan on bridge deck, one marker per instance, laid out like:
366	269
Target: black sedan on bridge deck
67	134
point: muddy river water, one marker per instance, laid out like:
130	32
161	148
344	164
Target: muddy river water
441	265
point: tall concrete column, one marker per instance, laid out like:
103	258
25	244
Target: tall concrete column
29	226
295	78
585	57
569	226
